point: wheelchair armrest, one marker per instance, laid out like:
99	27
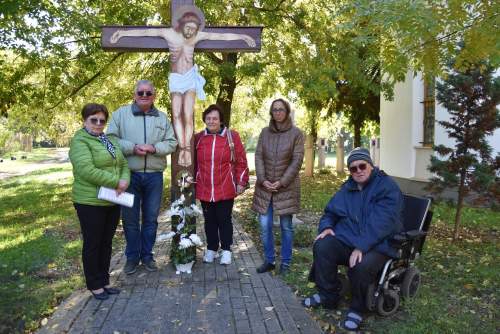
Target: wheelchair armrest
415	234
400	239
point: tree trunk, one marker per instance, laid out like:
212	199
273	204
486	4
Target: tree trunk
321	156
357	134
227	85
460	204
309	156
339	152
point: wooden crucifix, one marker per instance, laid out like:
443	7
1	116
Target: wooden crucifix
187	35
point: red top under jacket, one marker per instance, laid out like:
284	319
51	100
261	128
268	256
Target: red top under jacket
216	177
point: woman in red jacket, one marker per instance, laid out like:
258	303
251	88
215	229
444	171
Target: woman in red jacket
221	175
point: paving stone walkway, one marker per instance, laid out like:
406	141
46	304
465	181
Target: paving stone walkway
213	299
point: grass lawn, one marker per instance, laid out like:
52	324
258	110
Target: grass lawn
39	246
40	243
459	292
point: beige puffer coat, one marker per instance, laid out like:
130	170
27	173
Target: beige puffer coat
278	157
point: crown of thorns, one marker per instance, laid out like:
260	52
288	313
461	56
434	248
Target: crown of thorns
185	12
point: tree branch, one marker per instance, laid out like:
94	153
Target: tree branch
276	8
88	81
80	40
214	58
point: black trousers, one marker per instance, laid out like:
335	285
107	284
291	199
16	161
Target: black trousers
330	252
218	224
98	224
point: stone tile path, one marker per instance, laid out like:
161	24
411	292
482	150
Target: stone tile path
213	299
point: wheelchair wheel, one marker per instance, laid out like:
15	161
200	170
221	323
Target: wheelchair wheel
411	283
370	297
388	303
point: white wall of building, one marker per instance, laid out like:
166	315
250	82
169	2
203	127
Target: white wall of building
401	131
398	133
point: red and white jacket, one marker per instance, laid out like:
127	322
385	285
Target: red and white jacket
216	176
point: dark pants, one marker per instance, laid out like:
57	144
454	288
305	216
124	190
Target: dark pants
98	224
328	253
147	189
218	224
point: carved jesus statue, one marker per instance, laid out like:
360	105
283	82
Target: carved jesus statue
185	82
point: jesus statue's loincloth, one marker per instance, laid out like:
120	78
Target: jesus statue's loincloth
191	80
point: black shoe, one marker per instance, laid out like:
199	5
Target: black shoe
151	265
284	269
265	267
100	296
112	291
130	267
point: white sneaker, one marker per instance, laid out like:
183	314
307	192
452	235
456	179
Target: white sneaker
226	257
209	256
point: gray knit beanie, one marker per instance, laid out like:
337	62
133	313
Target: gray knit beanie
359	153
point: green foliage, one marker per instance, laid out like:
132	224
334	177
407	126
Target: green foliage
317	191
304	235
321	54
471	97
52	62
5	135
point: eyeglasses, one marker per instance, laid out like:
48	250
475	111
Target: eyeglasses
278	110
97	121
144	92
360	167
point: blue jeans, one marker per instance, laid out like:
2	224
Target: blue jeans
148	190
266	227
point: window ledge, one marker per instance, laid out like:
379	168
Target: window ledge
422	147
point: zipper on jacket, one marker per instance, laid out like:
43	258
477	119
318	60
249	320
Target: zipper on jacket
146	156
276	154
212	199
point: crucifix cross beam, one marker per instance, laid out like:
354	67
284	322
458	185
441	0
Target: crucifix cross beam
158	44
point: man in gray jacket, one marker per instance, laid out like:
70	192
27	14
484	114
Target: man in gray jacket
146	138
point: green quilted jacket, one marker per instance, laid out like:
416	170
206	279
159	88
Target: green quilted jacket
93	167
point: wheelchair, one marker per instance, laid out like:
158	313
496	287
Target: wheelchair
399	277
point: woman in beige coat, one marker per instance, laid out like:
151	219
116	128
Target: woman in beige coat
278	159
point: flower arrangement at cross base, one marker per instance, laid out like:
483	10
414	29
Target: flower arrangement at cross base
183	215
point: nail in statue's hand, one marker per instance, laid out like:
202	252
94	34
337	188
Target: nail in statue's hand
115	37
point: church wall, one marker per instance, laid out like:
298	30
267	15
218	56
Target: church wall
402	154
397	131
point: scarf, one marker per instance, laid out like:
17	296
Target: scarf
105	141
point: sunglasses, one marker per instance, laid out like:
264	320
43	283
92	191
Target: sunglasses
278	110
97	121
360	167
144	93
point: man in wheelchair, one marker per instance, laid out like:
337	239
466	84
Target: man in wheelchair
354	231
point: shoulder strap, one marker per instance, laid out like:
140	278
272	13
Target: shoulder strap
197	139
231	144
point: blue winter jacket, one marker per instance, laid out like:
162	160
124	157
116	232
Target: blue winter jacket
366	219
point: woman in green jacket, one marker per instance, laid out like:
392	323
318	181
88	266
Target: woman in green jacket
97	161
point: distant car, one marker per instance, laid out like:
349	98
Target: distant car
13	158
